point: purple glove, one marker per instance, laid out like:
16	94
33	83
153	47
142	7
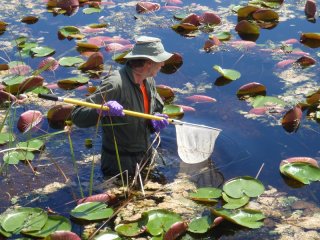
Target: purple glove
160	124
115	109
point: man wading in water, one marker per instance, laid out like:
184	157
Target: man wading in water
133	88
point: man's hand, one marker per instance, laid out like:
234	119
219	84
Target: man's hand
160	124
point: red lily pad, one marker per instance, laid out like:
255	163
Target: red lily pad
314	98
172	64
4	67
191	19
285	63
251	89
102	197
48	64
265	15
94	62
210	18
308	160
166	93
29	120
5	96
310	8
60	235
176	230
30	19
211	44
58	115
306	61
31	83
291	120
200	99
310	39
246	11
68	5
3	26
246	27
145	7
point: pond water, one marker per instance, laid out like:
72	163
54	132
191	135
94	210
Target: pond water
247	144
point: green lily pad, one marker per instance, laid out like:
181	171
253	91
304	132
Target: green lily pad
107	236
40	89
12	157
130	229
262	101
222	36
91	211
302	172
207	194
32	145
72	83
12	80
227	73
240	186
244	217
91	10
70	32
159	221
54	223
234	203
173	111
200	224
42	51
24	219
70	61
6	137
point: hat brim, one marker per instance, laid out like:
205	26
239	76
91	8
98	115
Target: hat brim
159	58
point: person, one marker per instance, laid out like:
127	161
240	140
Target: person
133	88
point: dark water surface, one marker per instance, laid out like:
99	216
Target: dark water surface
244	145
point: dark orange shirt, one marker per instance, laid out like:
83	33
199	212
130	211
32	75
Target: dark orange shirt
145	98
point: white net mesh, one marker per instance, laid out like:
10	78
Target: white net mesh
195	143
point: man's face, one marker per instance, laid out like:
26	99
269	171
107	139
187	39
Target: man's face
153	68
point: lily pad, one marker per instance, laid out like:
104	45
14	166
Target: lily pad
6	137
234	203
70	32
166	93
244	217
24	219
173	111
91	10
262	101
91	211
200	224
72	83
222	36
53	224
206	194
42	51
227	73
251	89
302	172
246	27
160	220
12	157
107	236
291	120
32	145
130	229
240	186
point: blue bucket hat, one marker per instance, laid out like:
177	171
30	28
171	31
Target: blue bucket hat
149	48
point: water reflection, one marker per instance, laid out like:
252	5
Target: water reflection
203	174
